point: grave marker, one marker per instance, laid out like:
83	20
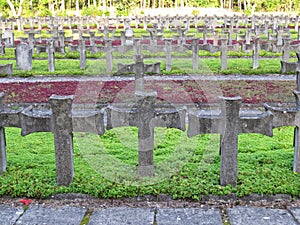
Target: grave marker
23	54
290	117
51	58
255	53
146	117
290	66
230	121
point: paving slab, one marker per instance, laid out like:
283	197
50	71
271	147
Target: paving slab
9	215
52	216
262	216
122	216
188	216
296	213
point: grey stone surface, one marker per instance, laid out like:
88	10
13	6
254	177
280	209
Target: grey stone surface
9	215
188	216
24	56
255	54
51	58
144	116
63	138
223	53
296	213
122	216
229	122
262	216
6	69
52	216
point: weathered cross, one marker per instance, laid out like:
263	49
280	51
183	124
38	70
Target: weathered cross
57	117
145	115
230	121
290	117
290	66
139	68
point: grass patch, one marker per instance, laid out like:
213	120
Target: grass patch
70	67
104	165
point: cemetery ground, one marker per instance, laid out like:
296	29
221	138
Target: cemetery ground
265	163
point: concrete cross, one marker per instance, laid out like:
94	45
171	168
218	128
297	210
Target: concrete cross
230	121
290	117
139	68
290	66
144	115
51	58
8	118
59	118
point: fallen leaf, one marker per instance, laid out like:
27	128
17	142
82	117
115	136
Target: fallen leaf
26	201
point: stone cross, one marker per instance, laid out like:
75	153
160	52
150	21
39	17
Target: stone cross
195	50
8	37
286	49
6	69
139	68
290	117
2	139
82	52
255	53
8	118
109	50
62	129
23	54
146	117
61	40
51	58
60	119
224	53
230	121
290	66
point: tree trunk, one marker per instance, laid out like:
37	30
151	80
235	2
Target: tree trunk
12	8
77	6
63	5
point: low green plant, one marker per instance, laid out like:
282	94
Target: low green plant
91	11
265	165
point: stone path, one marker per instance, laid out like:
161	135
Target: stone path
271	77
70	215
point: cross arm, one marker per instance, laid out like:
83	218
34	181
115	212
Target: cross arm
257	123
35	120
282	116
125	68
88	121
171	118
290	66
152	49
118	117
123	49
204	122
10	118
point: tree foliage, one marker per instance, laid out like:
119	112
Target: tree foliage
17	8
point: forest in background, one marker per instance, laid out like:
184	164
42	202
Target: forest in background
30	8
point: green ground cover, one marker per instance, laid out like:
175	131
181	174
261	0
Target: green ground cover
180	66
105	166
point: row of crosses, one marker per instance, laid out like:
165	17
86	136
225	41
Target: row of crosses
229	120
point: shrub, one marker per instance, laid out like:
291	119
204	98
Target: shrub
61	13
91	11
